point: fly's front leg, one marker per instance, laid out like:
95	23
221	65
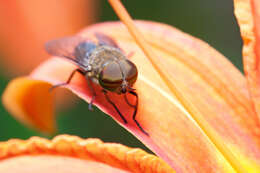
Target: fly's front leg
69	79
135	111
93	94
114	105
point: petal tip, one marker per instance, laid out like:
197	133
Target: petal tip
17	99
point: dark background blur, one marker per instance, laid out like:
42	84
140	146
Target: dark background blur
210	20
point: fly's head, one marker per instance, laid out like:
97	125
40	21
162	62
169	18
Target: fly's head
118	77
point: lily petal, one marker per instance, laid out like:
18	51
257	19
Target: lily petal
72	154
173	135
248	16
225	112
31	102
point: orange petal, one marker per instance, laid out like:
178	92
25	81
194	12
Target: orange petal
248	16
25	27
173	136
66	154
30	102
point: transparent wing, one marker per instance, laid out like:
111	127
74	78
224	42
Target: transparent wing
65	47
105	40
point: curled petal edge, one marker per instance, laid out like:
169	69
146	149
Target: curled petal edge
114	155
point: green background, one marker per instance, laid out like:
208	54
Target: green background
210	20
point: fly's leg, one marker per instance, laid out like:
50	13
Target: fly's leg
89	84
93	94
114	105
129	104
135	111
69	79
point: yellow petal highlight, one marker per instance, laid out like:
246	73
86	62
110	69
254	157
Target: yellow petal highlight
30	102
66	152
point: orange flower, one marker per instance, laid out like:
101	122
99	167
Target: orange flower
26	26
194	103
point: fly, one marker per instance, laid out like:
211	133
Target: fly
103	63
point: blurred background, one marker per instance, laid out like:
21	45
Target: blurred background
26	25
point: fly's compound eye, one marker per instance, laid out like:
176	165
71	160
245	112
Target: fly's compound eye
130	72
112	76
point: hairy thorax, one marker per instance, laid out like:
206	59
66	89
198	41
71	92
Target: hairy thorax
101	56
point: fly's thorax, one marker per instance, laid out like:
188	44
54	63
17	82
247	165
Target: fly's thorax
111	69
103	55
